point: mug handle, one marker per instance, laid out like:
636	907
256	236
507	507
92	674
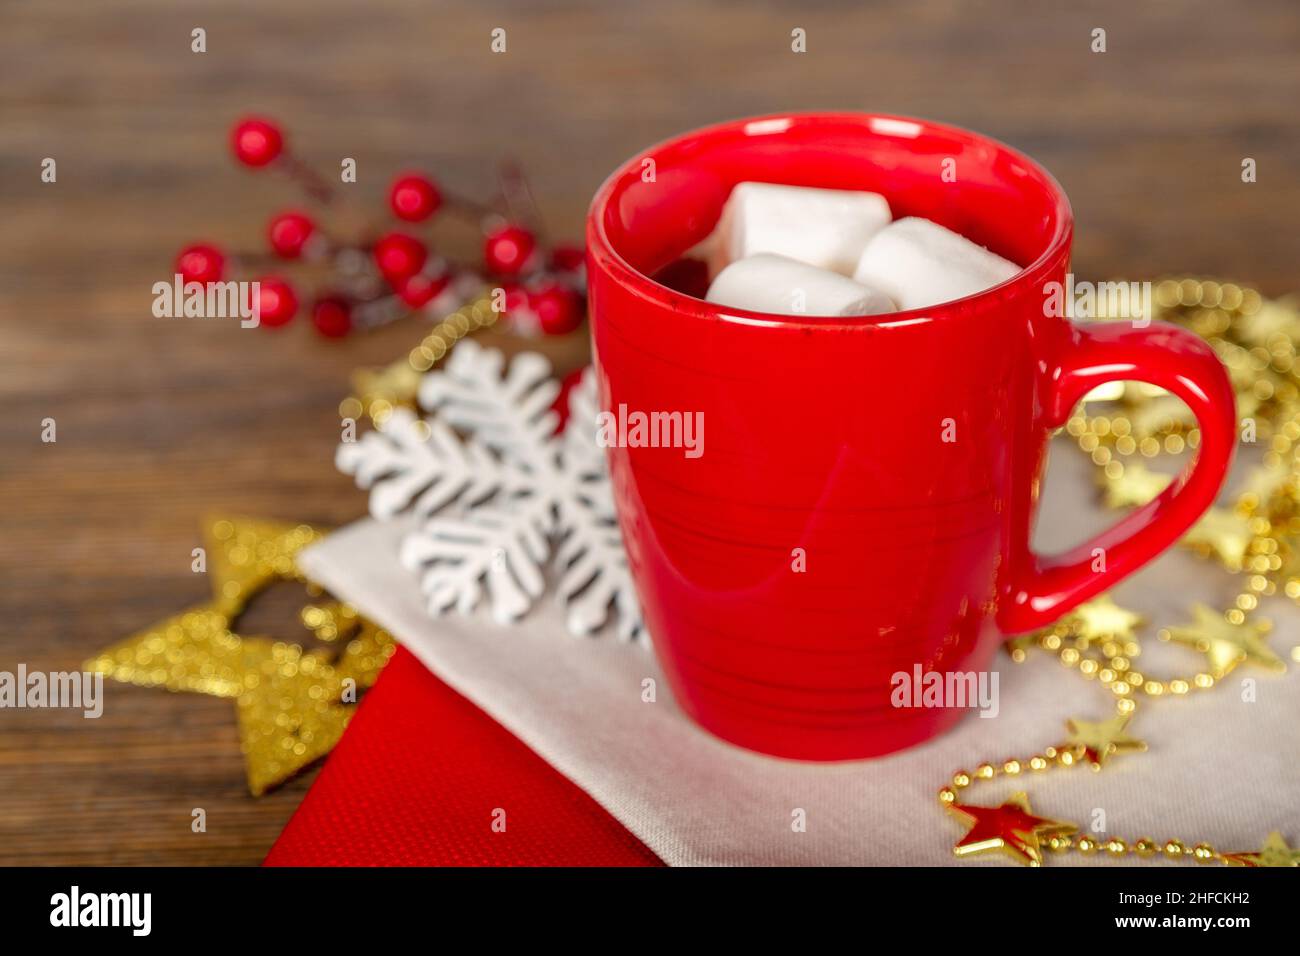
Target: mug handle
1040	588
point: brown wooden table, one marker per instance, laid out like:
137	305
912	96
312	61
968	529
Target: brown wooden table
162	422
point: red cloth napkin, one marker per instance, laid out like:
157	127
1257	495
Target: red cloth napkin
416	779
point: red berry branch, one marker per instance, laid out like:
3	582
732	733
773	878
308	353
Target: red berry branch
398	273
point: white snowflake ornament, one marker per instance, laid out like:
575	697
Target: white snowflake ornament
498	505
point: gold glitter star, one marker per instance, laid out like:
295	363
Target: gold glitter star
290	701
331	620
1103	618
290	715
1010	828
1223	534
1274	852
196	650
1225	644
192	651
1103	739
1136	486
247	555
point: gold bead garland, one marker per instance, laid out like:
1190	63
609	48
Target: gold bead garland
376	392
1068	756
1011	834
1260	535
1258	538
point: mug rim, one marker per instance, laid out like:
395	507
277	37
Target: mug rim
601	249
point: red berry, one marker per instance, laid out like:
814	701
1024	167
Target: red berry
332	317
277	301
256	142
566	257
414	197
507	250
289	232
200	263
399	256
558	308
420	289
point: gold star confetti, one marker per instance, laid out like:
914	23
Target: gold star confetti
1262	485
1103	618
1102	739
1137	485
292	704
1010	828
1223	534
1258	342
1274	852
1225	644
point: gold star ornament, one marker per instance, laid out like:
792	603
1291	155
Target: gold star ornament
292	704
1010	828
1103	739
1221	534
1102	618
1224	644
1264	484
291	714
196	650
1136	485
1274	852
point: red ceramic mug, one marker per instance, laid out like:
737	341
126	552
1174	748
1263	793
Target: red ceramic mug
866	489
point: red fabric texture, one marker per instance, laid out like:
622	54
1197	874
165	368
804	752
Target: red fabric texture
415	782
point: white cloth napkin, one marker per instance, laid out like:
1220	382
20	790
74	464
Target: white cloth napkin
1219	769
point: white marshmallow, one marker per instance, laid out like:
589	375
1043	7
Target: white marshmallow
780	285
827	228
919	263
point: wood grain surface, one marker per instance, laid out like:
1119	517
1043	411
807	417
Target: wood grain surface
162	422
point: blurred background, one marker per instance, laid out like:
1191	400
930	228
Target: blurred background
162	423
